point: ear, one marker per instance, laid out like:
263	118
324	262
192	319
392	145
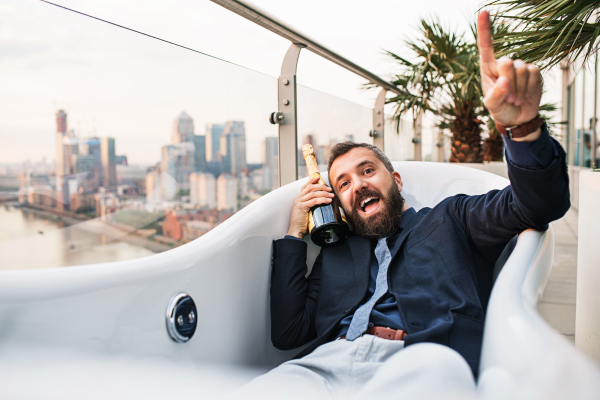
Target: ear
398	180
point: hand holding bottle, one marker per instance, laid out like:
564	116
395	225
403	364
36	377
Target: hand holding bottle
311	194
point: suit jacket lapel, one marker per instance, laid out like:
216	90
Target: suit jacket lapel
404	234
360	248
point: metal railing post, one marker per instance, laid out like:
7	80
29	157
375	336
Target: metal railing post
288	124
378	121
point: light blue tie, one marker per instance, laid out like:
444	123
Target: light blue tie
360	320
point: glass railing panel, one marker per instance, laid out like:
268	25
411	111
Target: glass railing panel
398	138
117	145
588	116
579	122
324	120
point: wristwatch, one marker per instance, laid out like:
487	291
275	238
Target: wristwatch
519	131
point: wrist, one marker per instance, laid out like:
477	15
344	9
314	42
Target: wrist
295	234
525	132
532	137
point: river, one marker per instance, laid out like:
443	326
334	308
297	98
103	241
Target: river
30	239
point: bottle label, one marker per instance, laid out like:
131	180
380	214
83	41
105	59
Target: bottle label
343	214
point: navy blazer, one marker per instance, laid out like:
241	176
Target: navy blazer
441	271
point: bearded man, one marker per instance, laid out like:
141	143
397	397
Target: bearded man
398	309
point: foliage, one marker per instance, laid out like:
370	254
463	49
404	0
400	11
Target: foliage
138	218
85	210
445	80
548	31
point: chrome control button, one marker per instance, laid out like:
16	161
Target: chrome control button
181	318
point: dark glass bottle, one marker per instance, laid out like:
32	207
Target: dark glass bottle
327	224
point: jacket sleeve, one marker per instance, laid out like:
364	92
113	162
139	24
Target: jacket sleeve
534	198
293	295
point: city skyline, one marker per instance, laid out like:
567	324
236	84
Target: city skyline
129	87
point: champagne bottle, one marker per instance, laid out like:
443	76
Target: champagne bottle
327	223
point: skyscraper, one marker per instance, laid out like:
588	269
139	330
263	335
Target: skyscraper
203	190
62	189
200	153
183	129
213	141
270	159
109	165
178	159
233	148
227	190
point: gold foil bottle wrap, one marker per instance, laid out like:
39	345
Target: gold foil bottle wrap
311	162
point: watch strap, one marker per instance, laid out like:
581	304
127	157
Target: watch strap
519	131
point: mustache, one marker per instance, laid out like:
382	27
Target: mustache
364	193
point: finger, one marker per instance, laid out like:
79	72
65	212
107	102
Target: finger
315	187
320	200
522	75
506	69
534	85
310	182
495	100
485	43
313	195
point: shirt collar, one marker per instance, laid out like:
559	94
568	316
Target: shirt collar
406	217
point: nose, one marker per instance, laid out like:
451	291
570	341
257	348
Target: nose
360	184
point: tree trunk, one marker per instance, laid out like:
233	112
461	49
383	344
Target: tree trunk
493	147
466	138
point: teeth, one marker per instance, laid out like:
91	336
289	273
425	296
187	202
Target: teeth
365	201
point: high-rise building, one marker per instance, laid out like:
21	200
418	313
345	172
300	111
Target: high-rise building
62	188
178	162
203	190
70	148
152	187
270	152
270	159
183	129
200	153
233	148
193	188
84	165
91	147
227	187
178	159
109	165
321	154
213	141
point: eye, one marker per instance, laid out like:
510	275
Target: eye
367	171
343	184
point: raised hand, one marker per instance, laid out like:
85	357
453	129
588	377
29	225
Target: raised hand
512	89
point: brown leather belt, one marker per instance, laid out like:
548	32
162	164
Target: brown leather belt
384	333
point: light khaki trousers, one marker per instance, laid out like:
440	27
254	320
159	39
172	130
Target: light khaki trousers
367	368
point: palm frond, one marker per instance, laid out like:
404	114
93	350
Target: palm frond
548	31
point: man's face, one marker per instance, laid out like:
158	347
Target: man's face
369	194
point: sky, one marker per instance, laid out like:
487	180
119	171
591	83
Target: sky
117	83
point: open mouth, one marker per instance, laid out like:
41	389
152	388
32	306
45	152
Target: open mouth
369	205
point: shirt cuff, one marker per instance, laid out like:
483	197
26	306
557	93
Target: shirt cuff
292	237
532	155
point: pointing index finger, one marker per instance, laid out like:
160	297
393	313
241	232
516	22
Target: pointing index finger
484	38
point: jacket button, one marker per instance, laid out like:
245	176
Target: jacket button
348	310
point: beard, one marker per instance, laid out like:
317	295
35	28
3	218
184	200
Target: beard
382	223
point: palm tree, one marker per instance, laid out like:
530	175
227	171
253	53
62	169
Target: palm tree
444	80
548	31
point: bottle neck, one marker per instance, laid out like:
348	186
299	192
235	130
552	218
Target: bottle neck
313	169
311	164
